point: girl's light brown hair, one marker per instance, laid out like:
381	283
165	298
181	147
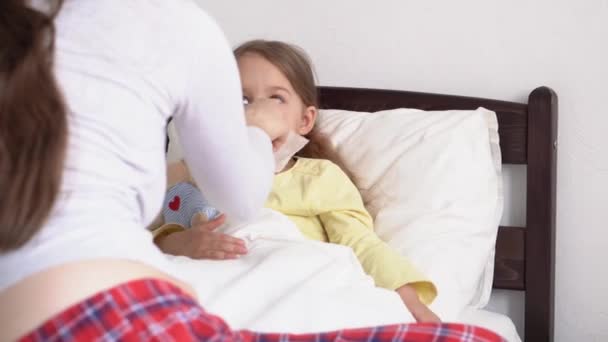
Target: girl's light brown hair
296	66
33	121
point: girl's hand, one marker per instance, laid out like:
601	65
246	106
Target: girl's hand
201	242
421	312
267	115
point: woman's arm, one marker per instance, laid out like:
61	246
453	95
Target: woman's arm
232	162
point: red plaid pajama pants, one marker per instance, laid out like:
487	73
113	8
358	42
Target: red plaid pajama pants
155	310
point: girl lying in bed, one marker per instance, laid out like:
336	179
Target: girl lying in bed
313	192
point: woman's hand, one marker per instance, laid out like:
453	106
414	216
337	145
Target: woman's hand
267	115
201	242
421	312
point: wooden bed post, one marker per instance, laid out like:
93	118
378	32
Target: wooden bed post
540	226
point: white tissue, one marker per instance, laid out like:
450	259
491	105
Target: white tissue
292	145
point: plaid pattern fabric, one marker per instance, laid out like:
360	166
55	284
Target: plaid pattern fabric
154	310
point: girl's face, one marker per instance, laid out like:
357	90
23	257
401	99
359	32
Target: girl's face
260	79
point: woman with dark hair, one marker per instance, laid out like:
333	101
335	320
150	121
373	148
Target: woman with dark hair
86	89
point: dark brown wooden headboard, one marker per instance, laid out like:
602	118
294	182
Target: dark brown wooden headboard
525	256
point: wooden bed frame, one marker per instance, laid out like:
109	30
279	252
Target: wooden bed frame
525	256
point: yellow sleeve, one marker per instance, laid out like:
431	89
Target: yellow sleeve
348	223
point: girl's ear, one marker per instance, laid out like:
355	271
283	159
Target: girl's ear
307	121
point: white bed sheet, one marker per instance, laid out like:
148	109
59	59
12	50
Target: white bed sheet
496	322
285	278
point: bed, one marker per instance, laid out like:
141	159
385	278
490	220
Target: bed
525	256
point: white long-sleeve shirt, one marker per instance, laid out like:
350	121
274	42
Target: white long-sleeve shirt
125	67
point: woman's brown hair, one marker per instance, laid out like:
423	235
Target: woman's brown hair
296	66
33	122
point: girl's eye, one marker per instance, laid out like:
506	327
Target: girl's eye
279	98
245	101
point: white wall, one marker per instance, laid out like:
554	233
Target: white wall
489	48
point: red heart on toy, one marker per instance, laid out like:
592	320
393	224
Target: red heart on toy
174	204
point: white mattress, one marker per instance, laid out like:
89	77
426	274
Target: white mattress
496	322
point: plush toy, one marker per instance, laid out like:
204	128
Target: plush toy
184	205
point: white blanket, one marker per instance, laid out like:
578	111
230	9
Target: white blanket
289	283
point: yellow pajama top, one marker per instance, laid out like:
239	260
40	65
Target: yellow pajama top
326	206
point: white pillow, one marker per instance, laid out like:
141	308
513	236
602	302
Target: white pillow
432	182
